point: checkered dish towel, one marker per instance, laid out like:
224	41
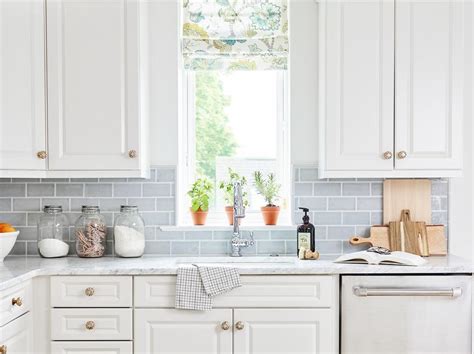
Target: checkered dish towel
196	286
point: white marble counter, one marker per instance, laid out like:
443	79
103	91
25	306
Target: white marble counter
17	268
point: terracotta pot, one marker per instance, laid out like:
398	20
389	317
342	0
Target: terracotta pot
229	210
199	217
270	214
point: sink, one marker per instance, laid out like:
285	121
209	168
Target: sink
218	261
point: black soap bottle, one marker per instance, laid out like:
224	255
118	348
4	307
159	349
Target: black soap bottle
305	234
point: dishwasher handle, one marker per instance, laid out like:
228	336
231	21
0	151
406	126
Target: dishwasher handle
364	292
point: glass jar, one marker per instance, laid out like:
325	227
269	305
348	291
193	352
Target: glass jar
53	232
129	232
91	232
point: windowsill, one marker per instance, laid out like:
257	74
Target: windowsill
228	228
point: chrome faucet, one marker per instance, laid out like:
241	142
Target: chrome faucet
239	213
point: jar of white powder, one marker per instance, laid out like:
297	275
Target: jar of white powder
129	232
53	232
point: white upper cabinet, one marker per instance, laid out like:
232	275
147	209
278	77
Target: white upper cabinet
357	102
391	92
94	87
429	85
22	73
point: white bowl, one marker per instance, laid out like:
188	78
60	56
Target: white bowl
7	241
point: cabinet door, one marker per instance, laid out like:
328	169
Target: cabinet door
296	331
429	84
357	82
22	97
17	335
93	84
166	331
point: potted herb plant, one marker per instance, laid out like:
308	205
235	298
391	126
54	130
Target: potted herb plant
269	189
200	194
228	188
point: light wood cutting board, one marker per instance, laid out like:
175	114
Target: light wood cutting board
412	194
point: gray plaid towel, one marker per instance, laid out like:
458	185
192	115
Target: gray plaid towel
196	286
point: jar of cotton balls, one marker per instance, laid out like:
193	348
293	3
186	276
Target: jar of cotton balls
53	232
129	232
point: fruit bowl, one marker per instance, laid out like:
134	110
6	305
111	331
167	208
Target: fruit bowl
7	241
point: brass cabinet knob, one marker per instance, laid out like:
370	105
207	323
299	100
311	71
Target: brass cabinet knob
225	326
42	155
132	154
402	154
90	325
89	291
387	155
239	325
3	349
17	301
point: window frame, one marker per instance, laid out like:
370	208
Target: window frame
187	163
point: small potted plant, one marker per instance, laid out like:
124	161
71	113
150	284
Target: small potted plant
200	194
228	188
269	189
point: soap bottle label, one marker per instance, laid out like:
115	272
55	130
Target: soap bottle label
304	240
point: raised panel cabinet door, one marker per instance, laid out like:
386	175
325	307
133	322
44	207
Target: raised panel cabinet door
22	94
296	331
17	336
94	116
356	86
167	331
429	84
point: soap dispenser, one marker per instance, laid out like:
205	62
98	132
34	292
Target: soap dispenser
305	234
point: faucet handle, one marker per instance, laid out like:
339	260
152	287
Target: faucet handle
251	240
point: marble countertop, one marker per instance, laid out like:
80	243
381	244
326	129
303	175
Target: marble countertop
16	269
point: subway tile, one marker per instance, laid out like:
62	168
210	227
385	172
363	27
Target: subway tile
296	175
308	174
356	218
69	190
321	232
283	235
270	247
165	175
340	232
363	231
98	190
12	190
111	204
144	204
348	248
63	202
376	189
162	248
165	204
32	248
439	217
341	203
303	189
291	247
150	233
5	204
85	180
5	180
435	203
19	249
327	218
32	218
222	235
356	189
25	180
439	188
169	235
156	218
63	180
327	189
369	203
156	190
329	247
26	204
376	218
198	235
313	203
208	248
40	190
16	219
127	190
185	248
27	233
77	203
114	180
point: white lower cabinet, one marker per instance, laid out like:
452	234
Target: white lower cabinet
91	347
16	337
166	331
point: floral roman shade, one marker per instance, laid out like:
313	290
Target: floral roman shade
235	34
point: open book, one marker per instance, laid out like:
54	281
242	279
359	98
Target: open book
395	258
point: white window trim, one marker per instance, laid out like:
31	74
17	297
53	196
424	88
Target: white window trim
187	161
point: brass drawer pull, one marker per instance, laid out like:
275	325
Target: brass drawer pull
402	154
3	349
225	326
42	155
132	154
387	155
90	325
89	291
17	301
239	325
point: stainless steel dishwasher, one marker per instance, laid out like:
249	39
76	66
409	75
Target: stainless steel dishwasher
398	314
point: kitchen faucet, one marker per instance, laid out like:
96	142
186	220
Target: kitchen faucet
239	213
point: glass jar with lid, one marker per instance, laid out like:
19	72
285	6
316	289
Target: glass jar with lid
53	232
91	232
129	232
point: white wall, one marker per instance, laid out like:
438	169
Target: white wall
165	100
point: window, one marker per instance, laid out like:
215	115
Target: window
237	120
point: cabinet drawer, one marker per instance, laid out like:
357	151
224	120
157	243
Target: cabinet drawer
256	291
17	335
14	302
91	347
91	291
91	324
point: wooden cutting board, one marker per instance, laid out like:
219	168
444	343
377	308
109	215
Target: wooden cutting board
412	194
378	237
